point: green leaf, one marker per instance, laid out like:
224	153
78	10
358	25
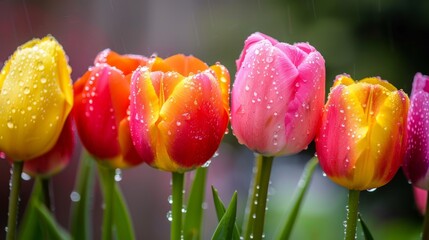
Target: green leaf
121	219
194	212
53	230
366	232
219	206
220	211
297	198
225	228
30	225
81	227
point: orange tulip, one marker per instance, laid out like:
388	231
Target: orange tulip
178	112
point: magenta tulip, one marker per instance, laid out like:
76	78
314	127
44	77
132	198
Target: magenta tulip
416	163
278	95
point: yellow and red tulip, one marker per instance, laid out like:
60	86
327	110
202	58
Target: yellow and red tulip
101	105
178	111
362	140
36	97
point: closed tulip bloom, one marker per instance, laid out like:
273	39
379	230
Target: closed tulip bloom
178	112
101	105
278	95
416	163
362	140
36	98
55	159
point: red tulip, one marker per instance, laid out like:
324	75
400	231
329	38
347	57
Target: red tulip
101	105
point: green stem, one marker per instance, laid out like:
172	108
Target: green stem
176	206
47	193
425	231
300	191
81	222
13	199
108	182
255	210
352	215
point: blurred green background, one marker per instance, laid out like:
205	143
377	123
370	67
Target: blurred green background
386	38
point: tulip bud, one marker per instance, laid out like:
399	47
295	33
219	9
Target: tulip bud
178	112
416	163
278	95
36	98
101	105
55	159
362	139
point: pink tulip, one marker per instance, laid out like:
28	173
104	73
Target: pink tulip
278	95
416	162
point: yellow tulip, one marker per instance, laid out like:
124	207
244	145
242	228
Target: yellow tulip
36	96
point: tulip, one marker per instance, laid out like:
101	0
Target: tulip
278	95
178	112
36	98
362	139
57	158
277	102
101	105
416	163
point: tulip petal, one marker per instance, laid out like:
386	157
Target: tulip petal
193	120
261	91
92	103
126	63
144	112
185	65
303	110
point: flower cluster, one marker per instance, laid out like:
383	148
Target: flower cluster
172	113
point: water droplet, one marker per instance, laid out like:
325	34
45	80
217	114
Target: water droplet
118	175
10	124
41	67
169	216
324	174
25	176
43	80
178	123
75	196
26	90
170	199
269	59
247	88
206	164
371	189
